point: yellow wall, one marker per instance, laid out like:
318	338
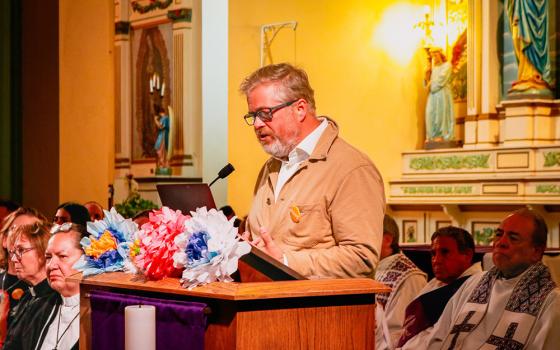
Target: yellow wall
376	98
86	99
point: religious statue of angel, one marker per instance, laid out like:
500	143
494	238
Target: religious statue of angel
440	121
164	140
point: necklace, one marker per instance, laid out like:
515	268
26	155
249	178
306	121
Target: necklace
67	327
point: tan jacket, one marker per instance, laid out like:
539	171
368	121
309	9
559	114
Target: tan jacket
339	193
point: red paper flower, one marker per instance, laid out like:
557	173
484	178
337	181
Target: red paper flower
157	243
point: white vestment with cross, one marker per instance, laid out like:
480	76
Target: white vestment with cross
467	326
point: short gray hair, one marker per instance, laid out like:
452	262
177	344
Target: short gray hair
293	80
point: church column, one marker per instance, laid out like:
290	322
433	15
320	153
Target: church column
474	67
487	121
186	159
123	99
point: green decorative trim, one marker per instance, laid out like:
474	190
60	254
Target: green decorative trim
180	15
549	188
154	4
551	159
437	189
122	27
450	162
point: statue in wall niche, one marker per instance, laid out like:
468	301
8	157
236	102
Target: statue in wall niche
164	140
153	83
440	121
529	23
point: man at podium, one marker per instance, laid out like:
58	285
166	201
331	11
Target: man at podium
318	202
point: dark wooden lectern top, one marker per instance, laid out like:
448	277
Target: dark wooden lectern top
238	291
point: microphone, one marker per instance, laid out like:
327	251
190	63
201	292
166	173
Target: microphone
222	174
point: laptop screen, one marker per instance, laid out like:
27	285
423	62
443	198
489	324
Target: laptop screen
186	197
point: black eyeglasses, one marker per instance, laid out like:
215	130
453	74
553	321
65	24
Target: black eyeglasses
19	251
265	114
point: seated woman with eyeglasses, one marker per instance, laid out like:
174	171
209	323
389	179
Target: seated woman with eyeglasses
28	245
12	289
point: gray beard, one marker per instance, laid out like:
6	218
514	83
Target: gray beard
278	149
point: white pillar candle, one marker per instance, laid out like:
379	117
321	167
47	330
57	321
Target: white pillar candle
140	327
162	89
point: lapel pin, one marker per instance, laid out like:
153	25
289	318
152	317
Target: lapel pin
295	214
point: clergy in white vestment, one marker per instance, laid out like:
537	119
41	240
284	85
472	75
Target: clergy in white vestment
515	305
62	330
405	279
452	253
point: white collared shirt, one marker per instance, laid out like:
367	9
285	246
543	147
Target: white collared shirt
69	324
298	155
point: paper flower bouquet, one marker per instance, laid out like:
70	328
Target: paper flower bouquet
201	248
208	249
156	243
107	247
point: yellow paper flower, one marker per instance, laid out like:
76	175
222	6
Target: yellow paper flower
105	243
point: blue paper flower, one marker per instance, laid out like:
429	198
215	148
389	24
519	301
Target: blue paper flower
197	249
107	247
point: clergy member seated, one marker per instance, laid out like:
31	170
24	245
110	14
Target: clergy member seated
12	288
62	329
405	280
515	305
452	262
28	244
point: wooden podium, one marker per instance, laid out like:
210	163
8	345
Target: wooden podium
299	314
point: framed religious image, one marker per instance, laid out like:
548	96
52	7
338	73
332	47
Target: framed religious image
442	223
152	72
410	231
483	231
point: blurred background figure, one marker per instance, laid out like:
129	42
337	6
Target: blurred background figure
95	211
6	207
71	212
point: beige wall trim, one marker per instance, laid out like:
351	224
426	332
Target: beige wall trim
500	188
512	160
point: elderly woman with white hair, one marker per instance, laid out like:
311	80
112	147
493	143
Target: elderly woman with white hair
62	329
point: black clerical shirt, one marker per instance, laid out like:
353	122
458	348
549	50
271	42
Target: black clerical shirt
33	313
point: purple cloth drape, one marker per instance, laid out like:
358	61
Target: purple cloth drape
179	324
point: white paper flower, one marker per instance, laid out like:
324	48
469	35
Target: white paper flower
209	248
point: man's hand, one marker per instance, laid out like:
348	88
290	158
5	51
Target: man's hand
266	243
